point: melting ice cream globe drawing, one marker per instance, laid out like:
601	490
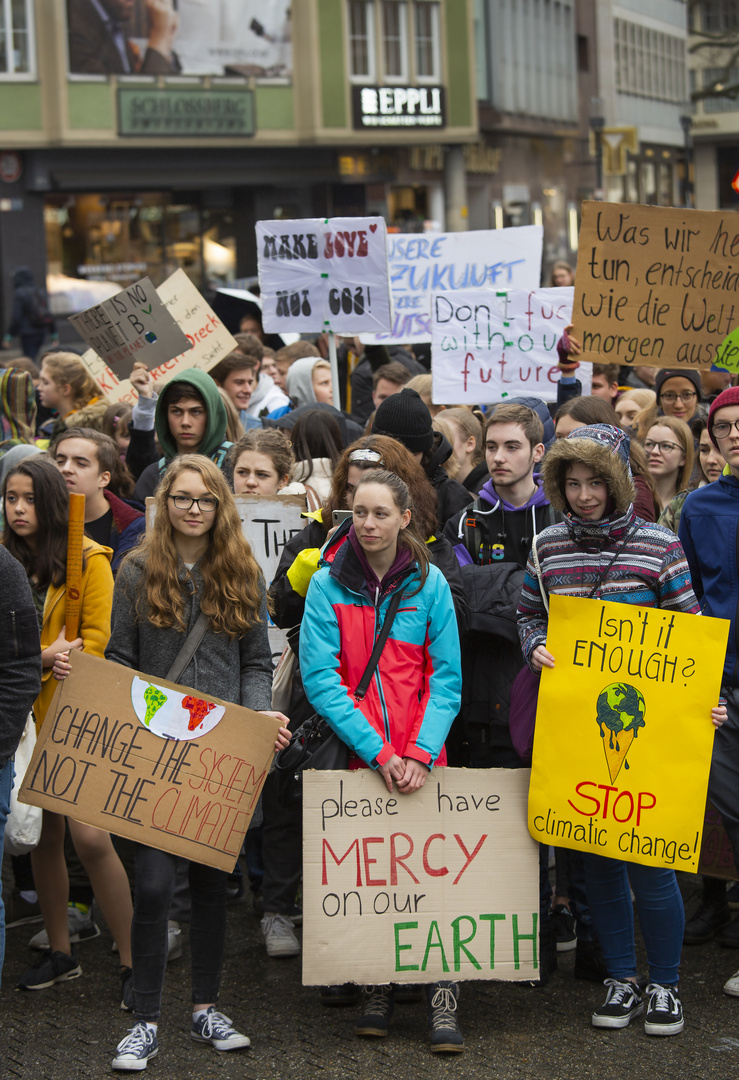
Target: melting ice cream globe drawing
620	713
170	714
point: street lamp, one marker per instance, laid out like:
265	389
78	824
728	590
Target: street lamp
686	123
597	123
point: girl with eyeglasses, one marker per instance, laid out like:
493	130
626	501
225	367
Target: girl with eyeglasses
670	453
194	559
678	393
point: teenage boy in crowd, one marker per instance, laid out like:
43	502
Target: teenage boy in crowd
709	533
267	396
237	375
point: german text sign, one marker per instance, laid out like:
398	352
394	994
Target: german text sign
440	884
152	761
324	274
655	286
623	739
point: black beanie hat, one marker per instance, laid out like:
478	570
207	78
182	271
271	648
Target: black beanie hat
681	373
404	417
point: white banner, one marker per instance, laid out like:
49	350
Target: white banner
320	274
422	266
488	346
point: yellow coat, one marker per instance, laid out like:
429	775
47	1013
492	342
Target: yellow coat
95	603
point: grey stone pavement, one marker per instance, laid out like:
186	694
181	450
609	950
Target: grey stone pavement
511	1031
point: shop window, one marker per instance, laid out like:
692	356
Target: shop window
394	41
16	39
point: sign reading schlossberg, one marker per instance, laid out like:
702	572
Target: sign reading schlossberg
399	106
174	110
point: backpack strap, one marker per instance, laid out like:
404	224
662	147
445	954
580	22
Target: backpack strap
476	535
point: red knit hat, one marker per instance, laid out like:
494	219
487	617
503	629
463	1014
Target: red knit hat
730	396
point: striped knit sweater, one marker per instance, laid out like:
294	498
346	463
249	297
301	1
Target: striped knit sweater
650	570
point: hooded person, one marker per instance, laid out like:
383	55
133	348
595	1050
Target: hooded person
189	417
266	399
308	381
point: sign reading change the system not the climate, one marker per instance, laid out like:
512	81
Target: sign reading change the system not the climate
439	884
324	274
622	748
655	286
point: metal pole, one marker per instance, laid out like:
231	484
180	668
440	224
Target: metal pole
334	362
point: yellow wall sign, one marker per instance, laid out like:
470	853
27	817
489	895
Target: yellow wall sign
623	739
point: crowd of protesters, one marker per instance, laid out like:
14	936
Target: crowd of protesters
628	494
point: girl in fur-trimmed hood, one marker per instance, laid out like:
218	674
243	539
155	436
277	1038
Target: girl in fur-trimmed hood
604	449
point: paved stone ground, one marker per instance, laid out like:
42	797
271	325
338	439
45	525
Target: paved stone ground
511	1031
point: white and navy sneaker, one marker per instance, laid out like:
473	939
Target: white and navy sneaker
134	1052
664	1011
623	1002
218	1030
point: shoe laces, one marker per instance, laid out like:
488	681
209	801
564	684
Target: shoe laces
138	1038
443	1006
661	998
216	1025
377	999
619	991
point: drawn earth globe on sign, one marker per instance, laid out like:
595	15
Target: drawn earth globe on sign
620	713
172	715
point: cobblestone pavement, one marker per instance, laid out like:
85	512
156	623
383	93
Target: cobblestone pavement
70	1031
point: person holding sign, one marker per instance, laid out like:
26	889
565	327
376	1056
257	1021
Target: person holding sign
36	518
603	550
399	726
193	563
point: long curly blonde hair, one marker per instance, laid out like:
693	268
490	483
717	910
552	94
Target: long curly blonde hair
232	588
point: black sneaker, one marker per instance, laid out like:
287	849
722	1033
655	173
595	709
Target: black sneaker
51	967
563	925
623	1002
711	916
126	975
378	1011
664	1011
444	1033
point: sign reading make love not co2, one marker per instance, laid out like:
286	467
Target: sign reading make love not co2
622	748
320	274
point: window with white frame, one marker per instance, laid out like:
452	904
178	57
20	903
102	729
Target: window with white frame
16	39
394	41
649	63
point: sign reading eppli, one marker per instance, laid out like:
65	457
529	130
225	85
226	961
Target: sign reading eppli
143	758
440	884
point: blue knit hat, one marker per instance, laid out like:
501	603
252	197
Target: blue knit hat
614	439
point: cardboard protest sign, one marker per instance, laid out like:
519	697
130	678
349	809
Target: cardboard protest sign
423	266
320	274
158	763
209	340
655	286
623	740
132	325
440	884
717	858
488	346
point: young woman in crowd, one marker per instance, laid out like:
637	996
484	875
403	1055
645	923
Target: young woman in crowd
631	403
116	423
194	559
399	727
66	386
317	446
710	465
36	502
467	443
261	462
669	449
601	550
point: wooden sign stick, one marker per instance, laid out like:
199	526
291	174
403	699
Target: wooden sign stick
75	536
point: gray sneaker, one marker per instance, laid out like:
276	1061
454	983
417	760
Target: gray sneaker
279	935
82	927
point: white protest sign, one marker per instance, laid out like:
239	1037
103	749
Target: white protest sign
133	325
488	346
439	884
422	266
209	340
324	274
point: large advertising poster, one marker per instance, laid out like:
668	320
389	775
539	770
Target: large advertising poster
192	37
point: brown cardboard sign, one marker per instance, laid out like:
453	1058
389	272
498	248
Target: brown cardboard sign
655	286
144	758
439	884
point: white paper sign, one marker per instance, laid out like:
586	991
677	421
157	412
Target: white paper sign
324	274
422	266
488	346
133	325
439	884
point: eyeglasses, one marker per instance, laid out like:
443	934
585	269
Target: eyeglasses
208	504
686	396
722	428
663	447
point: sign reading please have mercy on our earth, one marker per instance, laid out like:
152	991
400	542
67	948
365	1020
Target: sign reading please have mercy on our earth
623	739
439	884
324	274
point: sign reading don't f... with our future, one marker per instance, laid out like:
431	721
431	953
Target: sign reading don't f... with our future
324	274
133	325
655	286
141	757
439	884
623	740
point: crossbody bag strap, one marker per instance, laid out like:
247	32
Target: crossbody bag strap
379	646
618	551
535	560
189	648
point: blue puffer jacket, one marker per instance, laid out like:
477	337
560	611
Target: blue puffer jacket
415	692
709	534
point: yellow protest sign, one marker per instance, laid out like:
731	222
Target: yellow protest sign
623	739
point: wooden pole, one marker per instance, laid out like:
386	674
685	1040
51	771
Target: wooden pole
75	536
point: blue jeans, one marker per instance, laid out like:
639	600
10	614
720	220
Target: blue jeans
661	916
6	785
